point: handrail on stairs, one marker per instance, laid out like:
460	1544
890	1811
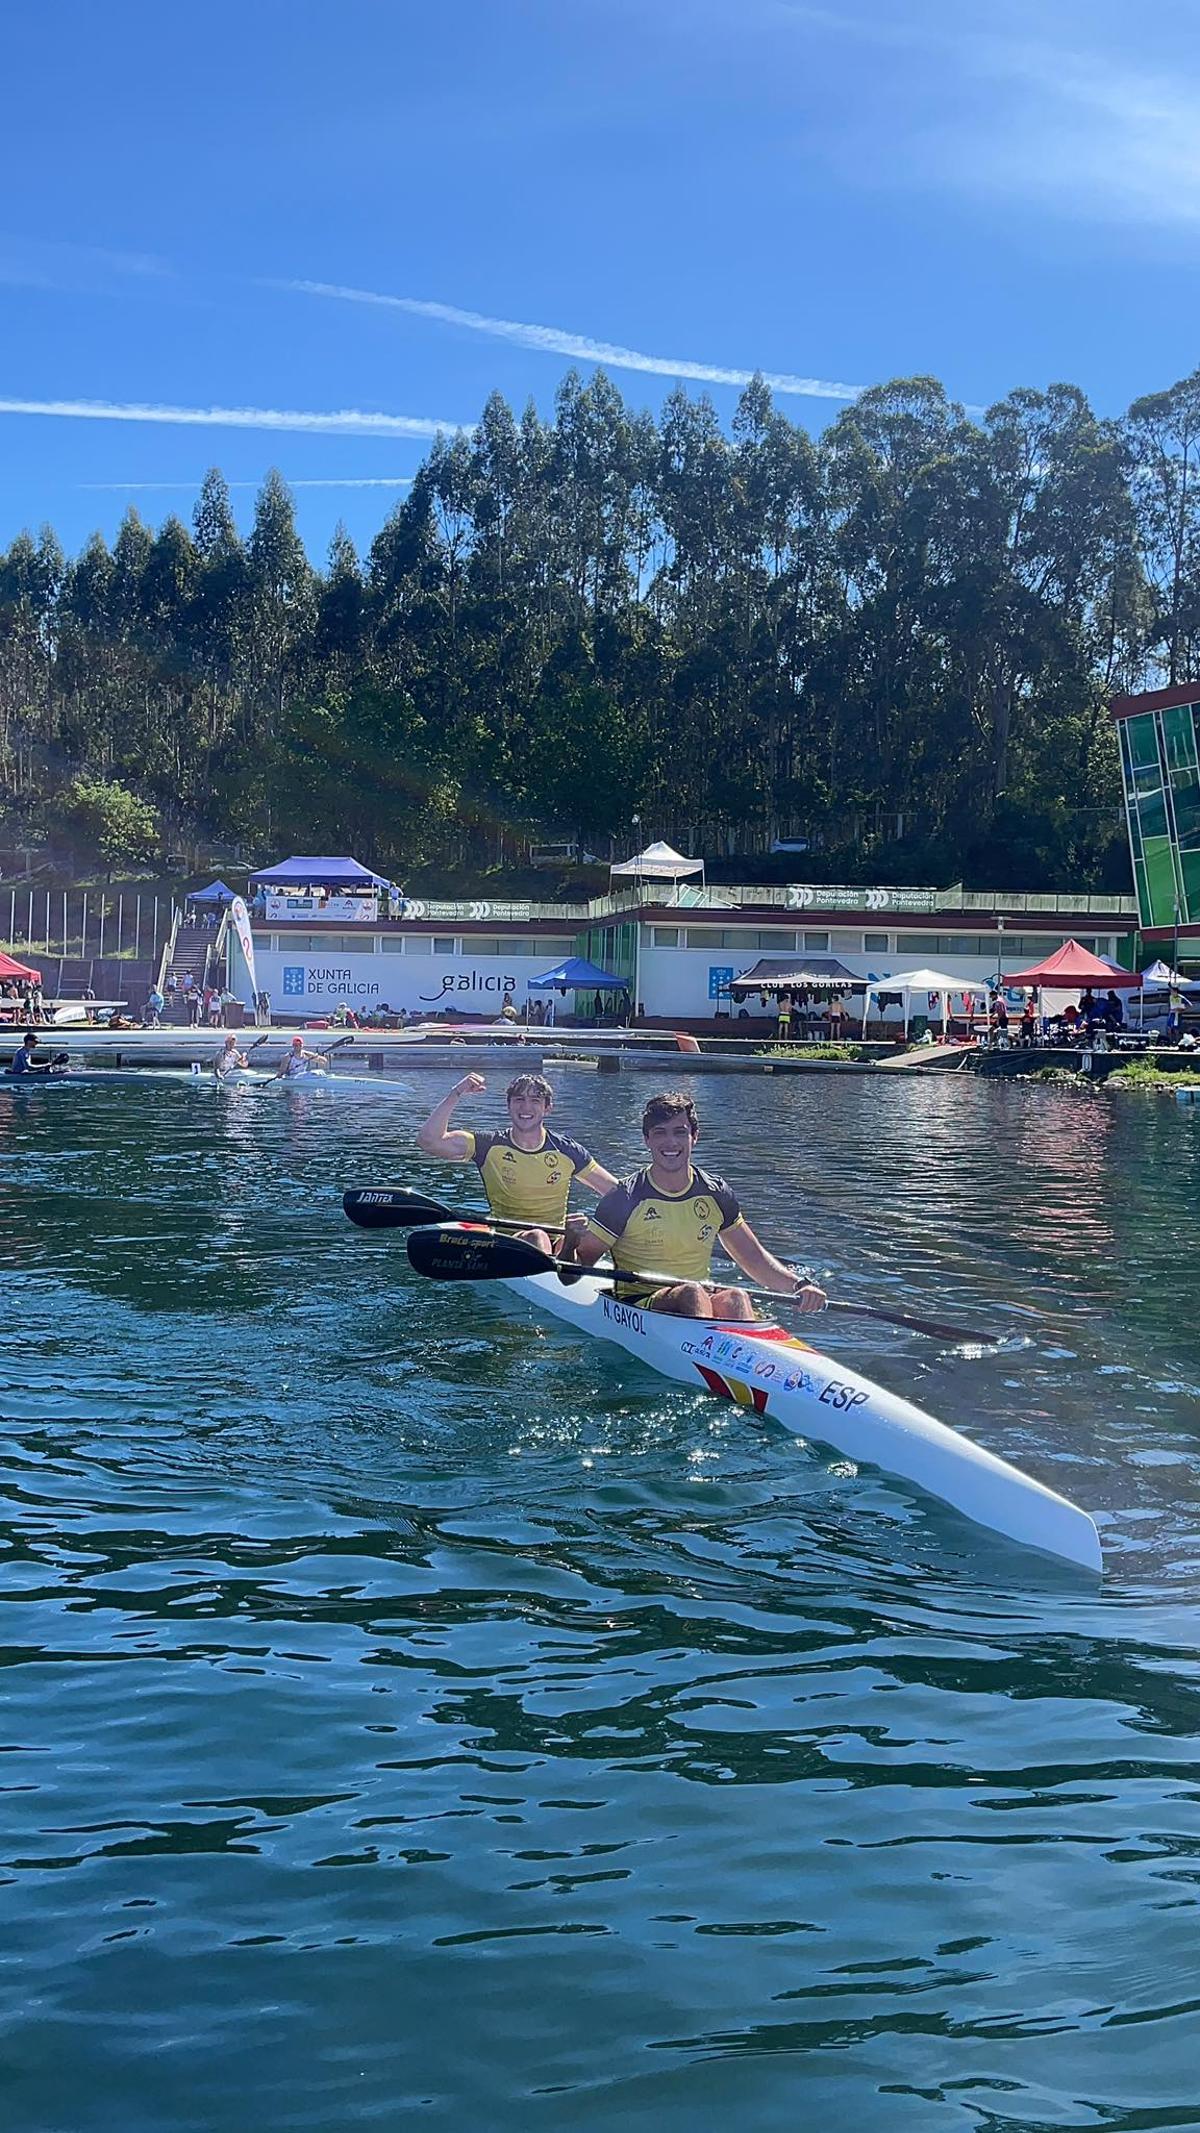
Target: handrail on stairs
168	954
215	949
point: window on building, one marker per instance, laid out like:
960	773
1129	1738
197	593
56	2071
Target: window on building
816	943
327	943
664	936
445	944
876	943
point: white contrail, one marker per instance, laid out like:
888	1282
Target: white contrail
357	481
345	422
552	340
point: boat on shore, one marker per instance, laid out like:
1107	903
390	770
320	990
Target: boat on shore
767	1369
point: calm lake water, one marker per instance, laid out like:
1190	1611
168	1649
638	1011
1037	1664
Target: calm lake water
410	1717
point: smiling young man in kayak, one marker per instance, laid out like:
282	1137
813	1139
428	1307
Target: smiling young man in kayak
229	1058
299	1060
527	1171
669	1218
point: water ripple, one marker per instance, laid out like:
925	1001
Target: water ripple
409	1715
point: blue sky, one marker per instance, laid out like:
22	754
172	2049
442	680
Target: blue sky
347	225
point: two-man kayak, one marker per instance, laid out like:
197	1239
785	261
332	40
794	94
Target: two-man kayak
765	1368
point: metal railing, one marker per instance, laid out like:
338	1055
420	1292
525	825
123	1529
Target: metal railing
168	954
853	898
78	924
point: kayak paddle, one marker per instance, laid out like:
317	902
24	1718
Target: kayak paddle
214	1069
469	1253
391	1207
323	1054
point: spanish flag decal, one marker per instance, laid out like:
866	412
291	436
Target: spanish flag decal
733	1389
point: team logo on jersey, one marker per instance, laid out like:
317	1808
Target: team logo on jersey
703	1210
706	1233
652	1215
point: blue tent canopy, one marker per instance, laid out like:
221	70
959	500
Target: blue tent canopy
576	974
217	892
302	872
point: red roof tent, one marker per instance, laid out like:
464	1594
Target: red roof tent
9	969
1187	692
1073	965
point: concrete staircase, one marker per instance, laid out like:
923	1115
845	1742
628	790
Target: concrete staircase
193	951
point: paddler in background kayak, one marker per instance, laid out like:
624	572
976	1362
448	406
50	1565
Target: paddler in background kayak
24	1062
527	1171
669	1218
296	1060
229	1058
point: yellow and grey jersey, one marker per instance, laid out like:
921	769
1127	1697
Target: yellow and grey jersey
528	1184
662	1233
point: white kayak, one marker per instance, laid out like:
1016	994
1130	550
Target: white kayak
239	1078
772	1371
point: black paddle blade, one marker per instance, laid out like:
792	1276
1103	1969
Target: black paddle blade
389	1208
457	1252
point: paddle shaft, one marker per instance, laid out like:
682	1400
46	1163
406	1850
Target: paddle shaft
396	1209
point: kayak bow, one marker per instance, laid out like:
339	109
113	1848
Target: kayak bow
771	1371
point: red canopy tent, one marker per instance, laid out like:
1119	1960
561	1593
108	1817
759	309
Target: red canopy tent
1073	965
10	969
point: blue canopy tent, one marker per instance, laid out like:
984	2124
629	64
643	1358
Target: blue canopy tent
217	892
576	974
302	872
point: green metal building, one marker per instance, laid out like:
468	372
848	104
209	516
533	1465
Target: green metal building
1160	764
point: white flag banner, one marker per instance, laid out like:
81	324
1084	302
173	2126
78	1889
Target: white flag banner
241	926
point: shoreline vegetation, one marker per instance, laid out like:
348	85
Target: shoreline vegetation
1144	1074
895	639
1137	1075
845	1052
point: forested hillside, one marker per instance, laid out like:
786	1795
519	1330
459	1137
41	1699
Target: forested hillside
897	638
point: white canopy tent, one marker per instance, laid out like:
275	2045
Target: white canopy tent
908	982
1160	978
659	862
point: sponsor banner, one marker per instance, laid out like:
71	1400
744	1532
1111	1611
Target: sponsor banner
239	919
278	904
424	985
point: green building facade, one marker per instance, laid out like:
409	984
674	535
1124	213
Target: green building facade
1160	765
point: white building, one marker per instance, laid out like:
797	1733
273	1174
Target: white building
677	950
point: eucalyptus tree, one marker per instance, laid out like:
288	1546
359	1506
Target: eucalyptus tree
1163	431
219	621
282	603
31	576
